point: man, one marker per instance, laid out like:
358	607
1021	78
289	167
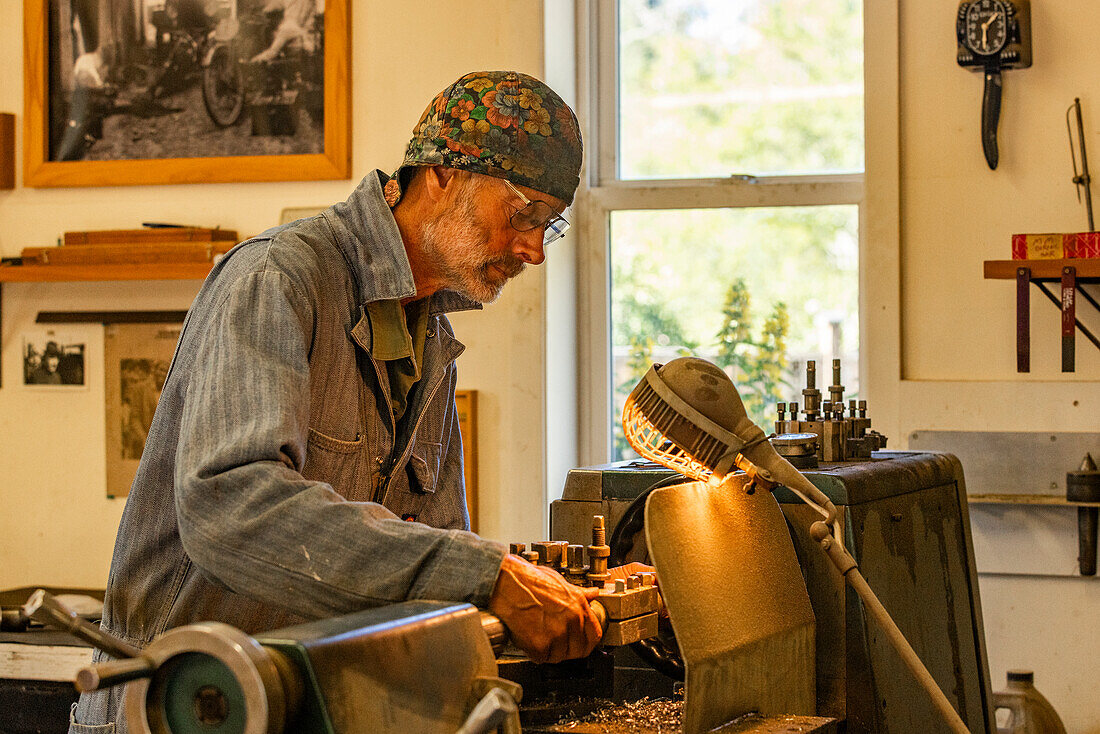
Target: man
309	412
294	26
46	373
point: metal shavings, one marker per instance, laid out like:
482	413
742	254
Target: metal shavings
660	716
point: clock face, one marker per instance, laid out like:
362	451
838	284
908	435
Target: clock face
986	26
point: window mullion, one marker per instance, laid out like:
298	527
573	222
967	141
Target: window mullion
710	196
605	86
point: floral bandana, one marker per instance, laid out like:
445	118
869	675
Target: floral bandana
498	123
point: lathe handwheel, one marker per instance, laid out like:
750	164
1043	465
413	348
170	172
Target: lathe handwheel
210	679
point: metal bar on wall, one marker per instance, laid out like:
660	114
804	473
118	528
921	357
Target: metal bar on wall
1069	286
1023	320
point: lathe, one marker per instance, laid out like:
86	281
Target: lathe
762	627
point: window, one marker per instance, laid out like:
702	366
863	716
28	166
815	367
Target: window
724	202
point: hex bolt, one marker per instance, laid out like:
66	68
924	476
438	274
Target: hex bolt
543	549
562	553
620	586
598	553
517	549
862	408
575	562
530	557
633	582
782	408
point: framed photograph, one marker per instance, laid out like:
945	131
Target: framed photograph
136	358
121	92
53	360
466	404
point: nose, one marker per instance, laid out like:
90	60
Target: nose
527	246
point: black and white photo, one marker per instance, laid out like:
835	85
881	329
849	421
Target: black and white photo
141	79
136	360
53	359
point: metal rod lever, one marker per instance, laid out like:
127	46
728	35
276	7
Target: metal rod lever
45	608
113	672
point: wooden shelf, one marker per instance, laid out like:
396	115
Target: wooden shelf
1026	499
10	273
62	273
1044	269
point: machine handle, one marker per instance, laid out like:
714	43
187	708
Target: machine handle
113	672
45	608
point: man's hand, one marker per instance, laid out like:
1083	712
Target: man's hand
548	617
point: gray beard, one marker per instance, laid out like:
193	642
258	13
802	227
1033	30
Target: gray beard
454	243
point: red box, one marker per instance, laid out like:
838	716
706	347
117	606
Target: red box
1055	246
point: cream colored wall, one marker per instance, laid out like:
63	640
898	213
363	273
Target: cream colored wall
940	340
56	526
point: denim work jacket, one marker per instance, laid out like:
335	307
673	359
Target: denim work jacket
274	481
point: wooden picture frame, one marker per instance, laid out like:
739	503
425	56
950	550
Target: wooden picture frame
466	404
333	162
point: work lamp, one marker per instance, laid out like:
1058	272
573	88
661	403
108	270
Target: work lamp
687	416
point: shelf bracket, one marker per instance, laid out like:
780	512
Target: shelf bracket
1069	319
1023	320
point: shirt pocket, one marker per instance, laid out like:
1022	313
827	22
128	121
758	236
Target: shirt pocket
424	466
333	460
75	728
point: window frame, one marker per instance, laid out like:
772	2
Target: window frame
605	193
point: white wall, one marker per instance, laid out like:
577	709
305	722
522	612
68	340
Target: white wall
56	526
940	340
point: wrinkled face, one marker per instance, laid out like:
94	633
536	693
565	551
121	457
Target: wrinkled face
472	242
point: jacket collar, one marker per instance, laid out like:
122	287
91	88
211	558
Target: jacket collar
367	234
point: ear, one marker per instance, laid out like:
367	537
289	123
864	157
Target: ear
438	179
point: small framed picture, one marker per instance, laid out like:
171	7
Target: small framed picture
53	359
136	358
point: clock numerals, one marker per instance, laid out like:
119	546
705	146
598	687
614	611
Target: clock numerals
986	24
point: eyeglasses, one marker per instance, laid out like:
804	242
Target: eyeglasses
536	214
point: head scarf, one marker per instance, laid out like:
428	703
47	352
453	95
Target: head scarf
498	123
